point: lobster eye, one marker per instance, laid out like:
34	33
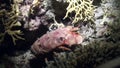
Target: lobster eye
61	38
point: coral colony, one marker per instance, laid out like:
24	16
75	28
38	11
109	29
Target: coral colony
9	21
57	38
83	9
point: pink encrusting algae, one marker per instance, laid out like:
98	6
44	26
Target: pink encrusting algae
57	39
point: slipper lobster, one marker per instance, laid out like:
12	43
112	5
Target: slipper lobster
57	39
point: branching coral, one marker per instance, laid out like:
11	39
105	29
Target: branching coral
83	10
9	19
8	26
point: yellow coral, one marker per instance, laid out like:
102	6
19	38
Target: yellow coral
13	33
84	10
35	3
9	20
8	25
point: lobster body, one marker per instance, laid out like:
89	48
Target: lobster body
55	39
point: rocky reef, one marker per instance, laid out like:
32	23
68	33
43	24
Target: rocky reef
22	22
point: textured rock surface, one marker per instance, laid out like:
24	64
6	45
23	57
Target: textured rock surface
43	14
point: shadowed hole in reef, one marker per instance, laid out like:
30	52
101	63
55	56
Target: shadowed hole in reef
97	2
117	66
7	46
39	60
